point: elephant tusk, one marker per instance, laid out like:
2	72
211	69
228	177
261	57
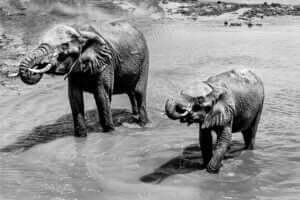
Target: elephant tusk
185	113
13	74
172	111
41	71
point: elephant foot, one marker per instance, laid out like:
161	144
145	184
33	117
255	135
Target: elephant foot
149	124
80	129
106	129
143	122
80	133
137	125
213	170
249	147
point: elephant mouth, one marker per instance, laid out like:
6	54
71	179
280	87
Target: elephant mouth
191	118
183	112
57	67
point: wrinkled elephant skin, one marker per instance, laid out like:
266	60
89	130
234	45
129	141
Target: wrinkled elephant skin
111	58
226	103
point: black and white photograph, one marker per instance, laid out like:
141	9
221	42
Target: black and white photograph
149	100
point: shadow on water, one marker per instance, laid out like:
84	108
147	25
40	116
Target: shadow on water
190	160
63	127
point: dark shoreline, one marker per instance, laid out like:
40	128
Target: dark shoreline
197	8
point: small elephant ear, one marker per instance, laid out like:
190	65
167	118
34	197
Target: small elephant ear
93	60
90	36
89	33
96	52
220	115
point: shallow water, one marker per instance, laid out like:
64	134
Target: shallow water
44	161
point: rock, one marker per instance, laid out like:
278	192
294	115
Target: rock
260	15
235	24
275	4
194	16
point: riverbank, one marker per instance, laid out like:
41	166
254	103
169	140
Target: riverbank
21	20
235	14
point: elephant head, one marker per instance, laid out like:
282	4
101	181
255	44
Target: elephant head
64	50
200	103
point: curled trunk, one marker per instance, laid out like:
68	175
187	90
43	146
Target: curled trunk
33	61
175	110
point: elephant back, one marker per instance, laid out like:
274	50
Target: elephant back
125	39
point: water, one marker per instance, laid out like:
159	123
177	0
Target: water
47	162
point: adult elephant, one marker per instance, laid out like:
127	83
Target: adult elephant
112	59
226	103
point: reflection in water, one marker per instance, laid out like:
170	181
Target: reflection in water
56	165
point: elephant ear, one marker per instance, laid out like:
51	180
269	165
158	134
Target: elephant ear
97	53
220	115
89	33
222	111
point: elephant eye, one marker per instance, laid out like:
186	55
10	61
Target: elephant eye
200	99
64	46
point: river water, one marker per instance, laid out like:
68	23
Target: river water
44	161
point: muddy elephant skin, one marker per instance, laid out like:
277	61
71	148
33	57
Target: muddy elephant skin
226	103
111	58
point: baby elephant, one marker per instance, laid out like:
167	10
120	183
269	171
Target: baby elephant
226	103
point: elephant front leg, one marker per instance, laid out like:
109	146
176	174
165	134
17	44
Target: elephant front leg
205	140
223	143
77	107
103	101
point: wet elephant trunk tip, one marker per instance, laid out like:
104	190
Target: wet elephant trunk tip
30	62
29	78
172	111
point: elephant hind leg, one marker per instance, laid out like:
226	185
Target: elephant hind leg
140	92
141	105
102	95
133	102
250	133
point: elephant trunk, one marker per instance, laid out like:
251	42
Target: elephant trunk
175	110
31	63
